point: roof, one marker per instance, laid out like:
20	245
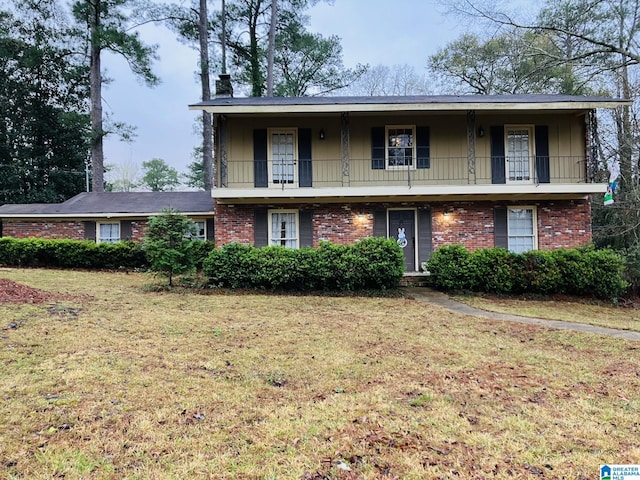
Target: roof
228	105
112	204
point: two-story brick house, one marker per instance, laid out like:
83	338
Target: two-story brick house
481	171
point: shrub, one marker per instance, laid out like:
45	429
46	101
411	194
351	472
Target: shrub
575	271
580	271
452	268
64	253
537	272
368	264
384	262
608	273
231	266
201	251
632	270
493	270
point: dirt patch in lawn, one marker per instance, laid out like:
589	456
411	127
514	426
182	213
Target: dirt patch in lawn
12	292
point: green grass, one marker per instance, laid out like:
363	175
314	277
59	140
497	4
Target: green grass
137	384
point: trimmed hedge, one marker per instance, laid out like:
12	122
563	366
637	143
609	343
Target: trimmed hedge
61	253
38	252
369	264
582	271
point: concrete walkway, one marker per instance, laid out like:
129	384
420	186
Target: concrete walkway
435	297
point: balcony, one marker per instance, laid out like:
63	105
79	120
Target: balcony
325	180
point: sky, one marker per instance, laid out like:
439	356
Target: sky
374	32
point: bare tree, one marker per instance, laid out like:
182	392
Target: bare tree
382	80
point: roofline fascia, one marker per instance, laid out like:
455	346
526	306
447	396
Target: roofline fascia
94	215
408	107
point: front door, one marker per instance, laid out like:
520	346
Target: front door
402	225
283	158
519	154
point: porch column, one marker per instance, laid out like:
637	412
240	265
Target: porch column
592	146
344	142
471	146
222	150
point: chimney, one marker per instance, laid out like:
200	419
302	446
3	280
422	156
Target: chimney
223	86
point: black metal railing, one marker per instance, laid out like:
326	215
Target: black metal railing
359	172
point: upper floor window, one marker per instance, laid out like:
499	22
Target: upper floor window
396	147
108	232
519	153
283	228
400	149
283	157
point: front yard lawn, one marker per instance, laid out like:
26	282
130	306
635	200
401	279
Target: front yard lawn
570	309
108	379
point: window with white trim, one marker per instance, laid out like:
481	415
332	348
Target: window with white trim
401	148
522	229
283	228
108	232
519	152
283	156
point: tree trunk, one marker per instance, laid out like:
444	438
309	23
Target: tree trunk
254	55
272	47
95	83
207	125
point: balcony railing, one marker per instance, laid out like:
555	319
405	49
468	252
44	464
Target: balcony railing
334	173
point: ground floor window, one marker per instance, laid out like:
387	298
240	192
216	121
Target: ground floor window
283	228
108	232
200	231
522	229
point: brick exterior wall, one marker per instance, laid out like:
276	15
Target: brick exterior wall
56	229
561	224
43	229
342	224
564	225
137	230
233	223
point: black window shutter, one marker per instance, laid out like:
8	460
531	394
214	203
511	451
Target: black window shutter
500	234
260	227
305	168
306	228
260	175
1	235
90	231
542	154
497	155
377	148
380	223
422	147
210	230
424	236
125	230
